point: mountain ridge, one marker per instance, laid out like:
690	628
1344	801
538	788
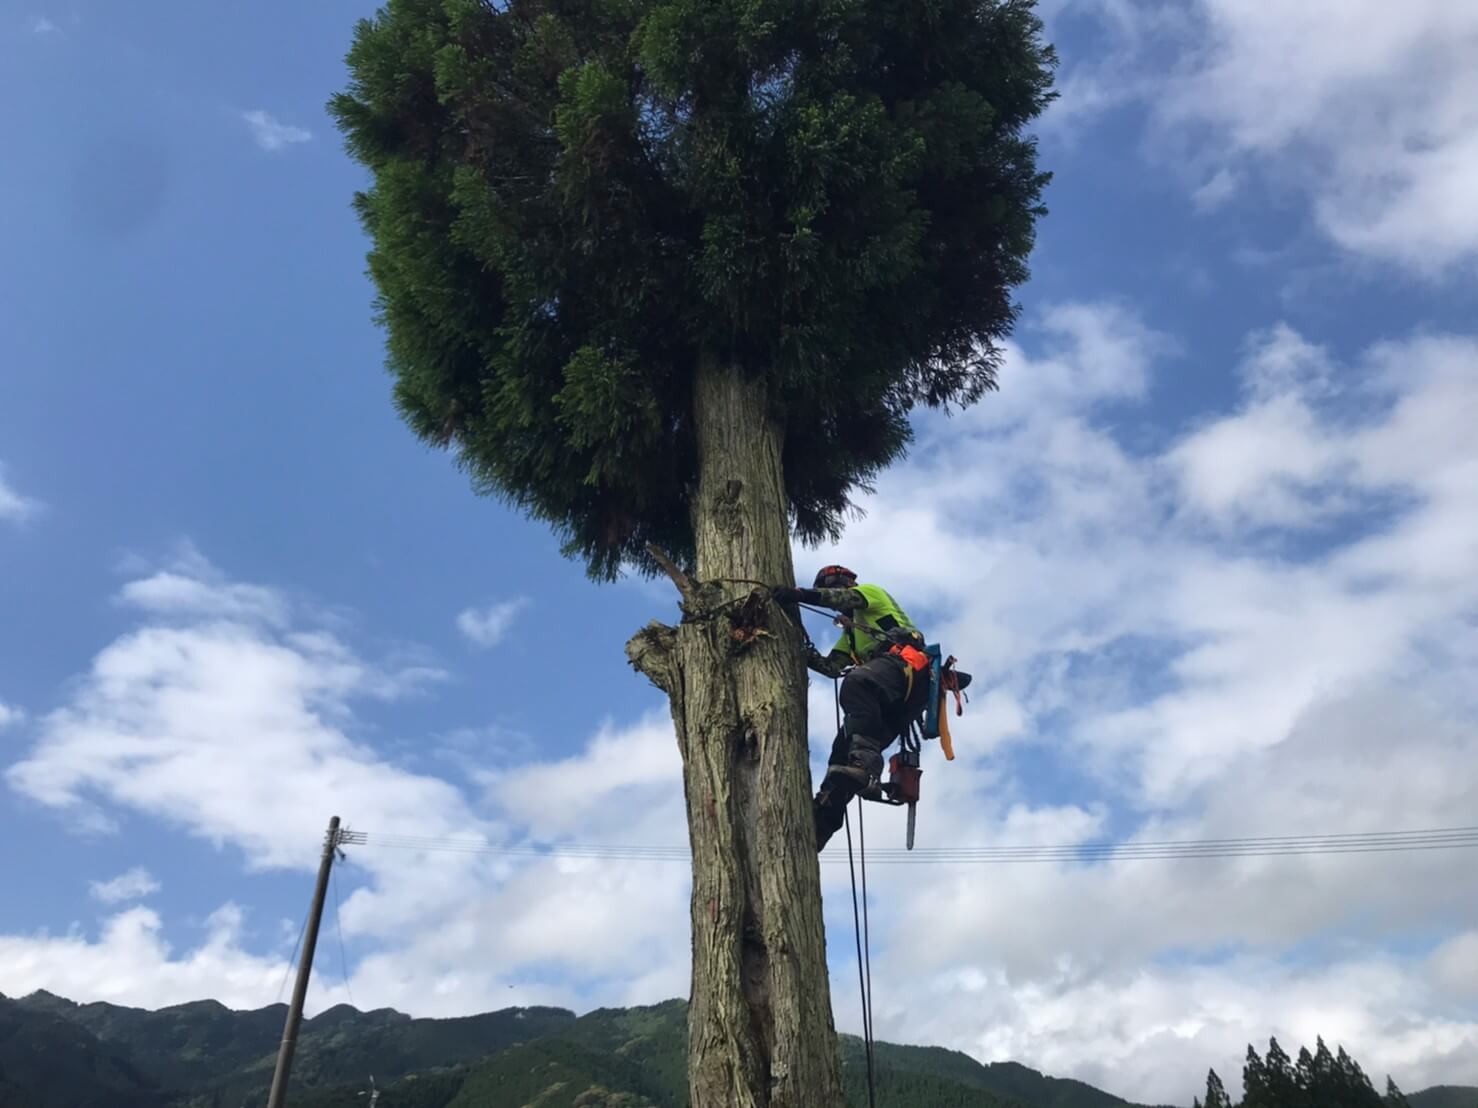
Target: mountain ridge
57	1053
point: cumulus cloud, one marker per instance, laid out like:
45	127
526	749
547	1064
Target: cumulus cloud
219	720
129	962
1369	109
9	715
13	506
1260	626
177	593
583	920
568	930
40	25
1121	1030
488	626
135	884
1454	965
226	712
270	133
635	769
1220	187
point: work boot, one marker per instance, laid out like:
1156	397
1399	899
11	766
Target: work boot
864	765
863	781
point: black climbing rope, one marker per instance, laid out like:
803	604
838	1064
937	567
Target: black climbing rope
861	961
866	935
859	923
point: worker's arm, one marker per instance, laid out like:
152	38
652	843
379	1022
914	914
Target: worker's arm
838	600
828	665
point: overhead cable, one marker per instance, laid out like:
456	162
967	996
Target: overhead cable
1262	846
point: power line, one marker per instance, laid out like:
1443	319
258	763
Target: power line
287	971
339	929
1264	846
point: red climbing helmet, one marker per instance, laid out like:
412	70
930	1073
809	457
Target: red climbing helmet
834	577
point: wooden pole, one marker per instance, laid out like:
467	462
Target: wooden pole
277	1098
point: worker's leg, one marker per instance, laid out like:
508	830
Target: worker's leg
867	696
829	808
857	755
832	798
839	746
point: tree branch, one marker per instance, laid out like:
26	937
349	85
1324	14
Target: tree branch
686	586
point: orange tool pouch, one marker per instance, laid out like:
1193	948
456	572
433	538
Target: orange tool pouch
914	658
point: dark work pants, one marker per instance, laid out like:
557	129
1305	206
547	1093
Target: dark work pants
877	707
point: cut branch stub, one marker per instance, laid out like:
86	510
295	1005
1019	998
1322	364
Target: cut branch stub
749	619
650	652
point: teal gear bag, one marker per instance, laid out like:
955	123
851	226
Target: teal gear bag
936	697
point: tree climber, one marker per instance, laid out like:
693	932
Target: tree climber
885	685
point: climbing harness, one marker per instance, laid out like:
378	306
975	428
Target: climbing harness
902	789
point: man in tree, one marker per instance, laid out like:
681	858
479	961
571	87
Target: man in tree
884	689
671	275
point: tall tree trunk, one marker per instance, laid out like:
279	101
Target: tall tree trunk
760	1031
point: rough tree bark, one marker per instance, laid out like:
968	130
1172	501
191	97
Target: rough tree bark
760	1031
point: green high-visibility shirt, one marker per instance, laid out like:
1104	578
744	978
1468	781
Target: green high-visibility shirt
870	623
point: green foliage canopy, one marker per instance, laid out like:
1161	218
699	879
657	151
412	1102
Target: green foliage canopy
575	201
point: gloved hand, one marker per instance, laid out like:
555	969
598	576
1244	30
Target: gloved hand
786	594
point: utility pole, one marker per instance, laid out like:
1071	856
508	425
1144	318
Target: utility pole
277	1098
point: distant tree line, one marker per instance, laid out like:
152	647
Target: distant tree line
1317	1080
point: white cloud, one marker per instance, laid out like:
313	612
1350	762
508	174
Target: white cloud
1369	109
624	780
230	726
237	729
9	715
134	884
1379	101
1454	965
488	626
568	930
172	593
593	918
1120	1030
1220	187
270	133
1262	627
129	962
1275	462
13	506
42	26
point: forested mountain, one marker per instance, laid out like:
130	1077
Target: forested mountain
1445	1096
57	1054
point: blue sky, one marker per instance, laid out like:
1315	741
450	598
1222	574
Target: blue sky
1210	553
